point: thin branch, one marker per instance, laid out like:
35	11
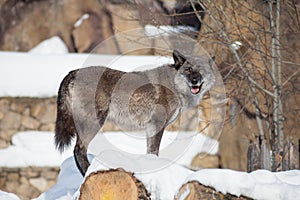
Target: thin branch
233	50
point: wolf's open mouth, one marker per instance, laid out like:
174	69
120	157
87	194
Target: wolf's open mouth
195	89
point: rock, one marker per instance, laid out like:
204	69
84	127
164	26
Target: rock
50	184
39	22
25	191
30	173
26	112
18	106
49	175
47	127
11	121
39	183
88	34
234	143
49	115
4	105
29	182
3	144
30	123
13	177
2	181
7	135
38	110
204	160
24	180
124	17
110	126
11	186
1	115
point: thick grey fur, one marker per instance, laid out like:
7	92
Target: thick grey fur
148	100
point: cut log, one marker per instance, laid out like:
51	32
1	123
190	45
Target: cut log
114	184
196	191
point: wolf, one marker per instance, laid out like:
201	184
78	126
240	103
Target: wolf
147	100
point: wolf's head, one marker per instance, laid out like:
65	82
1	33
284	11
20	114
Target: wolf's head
195	75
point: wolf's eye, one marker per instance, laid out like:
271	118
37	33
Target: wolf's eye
188	70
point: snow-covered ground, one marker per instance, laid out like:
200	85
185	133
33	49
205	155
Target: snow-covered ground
164	183
114	149
38	74
34	148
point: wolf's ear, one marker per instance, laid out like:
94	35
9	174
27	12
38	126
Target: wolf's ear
179	59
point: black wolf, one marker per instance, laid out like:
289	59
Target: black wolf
148	100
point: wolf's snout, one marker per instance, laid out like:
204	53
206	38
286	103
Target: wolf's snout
196	79
196	82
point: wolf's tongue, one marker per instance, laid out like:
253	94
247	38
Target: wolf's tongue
195	90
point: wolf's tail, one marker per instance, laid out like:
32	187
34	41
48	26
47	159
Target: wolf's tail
65	128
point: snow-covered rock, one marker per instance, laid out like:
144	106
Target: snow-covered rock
53	45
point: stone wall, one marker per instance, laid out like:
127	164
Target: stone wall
27	183
22	114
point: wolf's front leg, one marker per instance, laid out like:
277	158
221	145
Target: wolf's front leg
153	142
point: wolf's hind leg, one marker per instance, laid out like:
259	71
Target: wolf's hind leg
81	146
80	154
88	130
153	142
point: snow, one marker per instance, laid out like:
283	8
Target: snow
158	31
260	184
69	180
154	180
53	45
161	176
29	153
30	149
80	20
188	145
165	182
8	196
237	45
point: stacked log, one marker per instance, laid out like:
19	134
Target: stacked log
114	184
117	184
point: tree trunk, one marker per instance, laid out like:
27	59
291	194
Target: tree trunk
113	184
195	191
253	157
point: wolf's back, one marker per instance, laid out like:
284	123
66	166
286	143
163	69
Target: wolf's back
64	126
